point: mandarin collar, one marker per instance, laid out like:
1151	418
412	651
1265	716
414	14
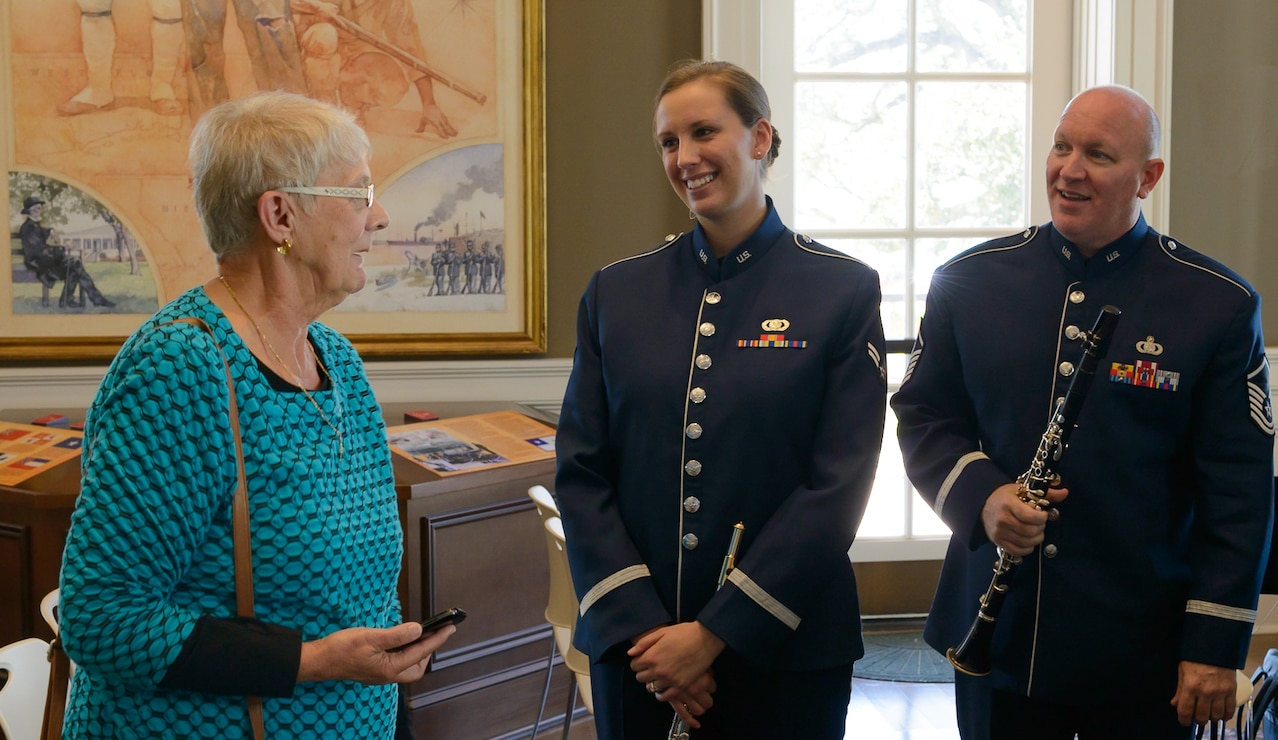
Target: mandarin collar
746	253
1113	256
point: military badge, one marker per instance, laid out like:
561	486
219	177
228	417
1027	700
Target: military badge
772	340
773	336
1144	374
1148	346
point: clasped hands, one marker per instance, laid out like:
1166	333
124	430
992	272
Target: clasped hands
673	663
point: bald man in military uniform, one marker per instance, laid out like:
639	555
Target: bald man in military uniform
1134	606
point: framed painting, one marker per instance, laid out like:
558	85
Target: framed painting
100	97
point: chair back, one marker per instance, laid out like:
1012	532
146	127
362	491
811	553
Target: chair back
545	502
561	607
564	607
49	610
23	694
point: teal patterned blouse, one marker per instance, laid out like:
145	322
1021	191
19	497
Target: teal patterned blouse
149	551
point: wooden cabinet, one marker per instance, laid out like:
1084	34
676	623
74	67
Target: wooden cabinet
473	541
34	520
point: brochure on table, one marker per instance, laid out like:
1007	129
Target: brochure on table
27	449
465	444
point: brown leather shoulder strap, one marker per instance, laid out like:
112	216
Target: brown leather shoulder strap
242	546
243	551
55	698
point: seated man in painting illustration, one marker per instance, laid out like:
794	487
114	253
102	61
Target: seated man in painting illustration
361	56
51	263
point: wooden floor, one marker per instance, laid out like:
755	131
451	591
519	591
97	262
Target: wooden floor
884	710
887	710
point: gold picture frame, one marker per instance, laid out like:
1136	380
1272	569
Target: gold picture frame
105	156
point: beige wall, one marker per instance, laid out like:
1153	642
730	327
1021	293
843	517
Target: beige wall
1224	138
606	195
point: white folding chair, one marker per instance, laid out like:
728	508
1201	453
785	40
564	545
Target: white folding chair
49	610
22	697
565	611
545	502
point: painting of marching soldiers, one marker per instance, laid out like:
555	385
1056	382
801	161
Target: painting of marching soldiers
105	93
450	254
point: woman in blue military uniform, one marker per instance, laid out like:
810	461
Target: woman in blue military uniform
733	374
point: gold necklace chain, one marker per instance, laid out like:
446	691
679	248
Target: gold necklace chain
341	446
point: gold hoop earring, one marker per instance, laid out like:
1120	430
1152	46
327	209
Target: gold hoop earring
691	216
285	247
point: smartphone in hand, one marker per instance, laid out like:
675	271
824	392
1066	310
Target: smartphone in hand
430	625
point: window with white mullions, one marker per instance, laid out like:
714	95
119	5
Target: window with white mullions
911	130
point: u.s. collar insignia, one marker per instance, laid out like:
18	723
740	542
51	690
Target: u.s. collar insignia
1149	347
773	336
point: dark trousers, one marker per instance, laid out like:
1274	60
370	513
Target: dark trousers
990	714
749	702
972	706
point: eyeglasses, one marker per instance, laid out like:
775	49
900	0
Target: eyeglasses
365	194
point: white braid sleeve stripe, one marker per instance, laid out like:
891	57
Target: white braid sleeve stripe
1206	608
953	476
613	582
764	599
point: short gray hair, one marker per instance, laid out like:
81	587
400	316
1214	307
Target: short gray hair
245	147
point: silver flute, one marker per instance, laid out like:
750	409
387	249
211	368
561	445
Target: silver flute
679	728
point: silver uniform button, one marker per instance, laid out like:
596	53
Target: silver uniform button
1067	369
693	431
690	541
1072	332
1077	296
1049	551
713	298
706	329
704	362
691	504
692	467
697	395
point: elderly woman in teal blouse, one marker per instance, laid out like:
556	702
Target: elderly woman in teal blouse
284	193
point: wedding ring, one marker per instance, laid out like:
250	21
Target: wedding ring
652	687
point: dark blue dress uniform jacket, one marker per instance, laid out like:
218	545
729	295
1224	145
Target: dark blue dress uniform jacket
1158	551
705	394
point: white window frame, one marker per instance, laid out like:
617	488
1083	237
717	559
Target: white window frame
1127	42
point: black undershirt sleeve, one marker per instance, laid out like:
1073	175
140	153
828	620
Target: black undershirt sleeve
237	657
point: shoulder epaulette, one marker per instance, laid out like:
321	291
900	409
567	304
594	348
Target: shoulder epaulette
670	239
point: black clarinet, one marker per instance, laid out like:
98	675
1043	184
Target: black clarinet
972	656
